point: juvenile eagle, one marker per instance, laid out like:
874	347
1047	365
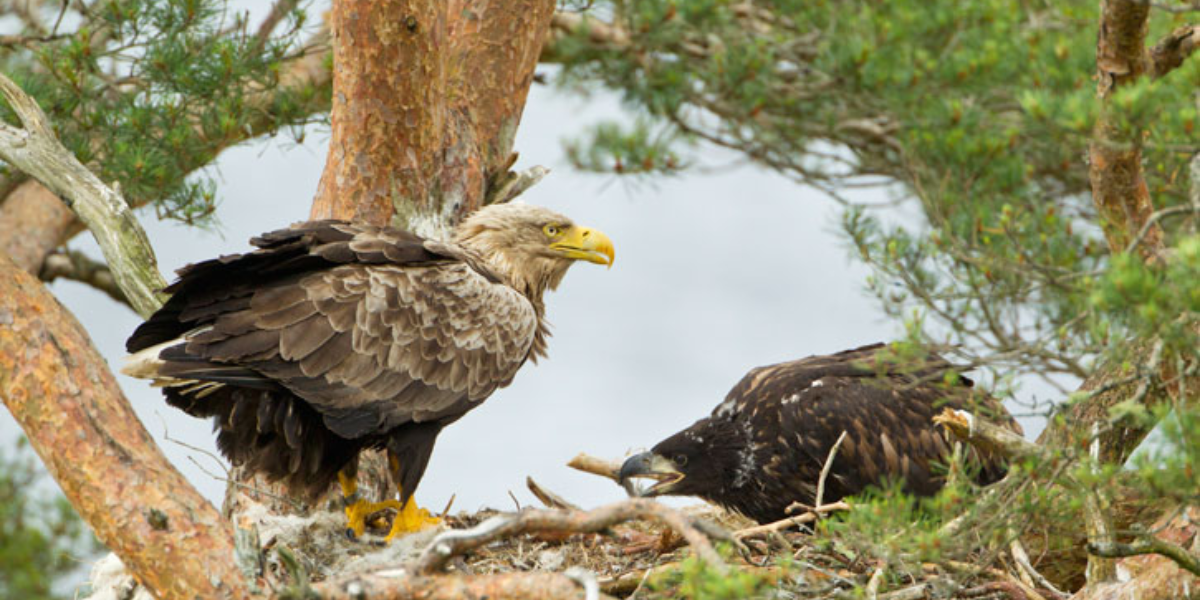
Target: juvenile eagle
763	447
334	337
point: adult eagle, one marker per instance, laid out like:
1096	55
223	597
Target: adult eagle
763	447
334	337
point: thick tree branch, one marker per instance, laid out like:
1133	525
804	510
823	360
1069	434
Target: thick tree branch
60	391
1118	185
36	150
1148	544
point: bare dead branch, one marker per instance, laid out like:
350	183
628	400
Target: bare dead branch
36	150
874	583
986	435
1172	50
550	499
596	466
1022	559
1003	576
77	266
454	543
1148	544
789	522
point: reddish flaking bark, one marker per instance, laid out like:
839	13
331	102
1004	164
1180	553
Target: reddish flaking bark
61	392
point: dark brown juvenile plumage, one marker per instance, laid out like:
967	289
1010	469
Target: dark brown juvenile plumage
763	447
333	337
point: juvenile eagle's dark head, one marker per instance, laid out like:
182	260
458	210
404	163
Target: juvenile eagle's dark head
710	459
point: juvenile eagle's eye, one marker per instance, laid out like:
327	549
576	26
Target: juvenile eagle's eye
552	230
680	460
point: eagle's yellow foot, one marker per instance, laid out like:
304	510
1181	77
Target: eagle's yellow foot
357	513
410	519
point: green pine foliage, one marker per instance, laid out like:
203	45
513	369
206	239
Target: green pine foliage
42	540
146	92
981	111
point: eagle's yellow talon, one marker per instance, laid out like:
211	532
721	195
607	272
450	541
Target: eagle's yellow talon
357	513
409	519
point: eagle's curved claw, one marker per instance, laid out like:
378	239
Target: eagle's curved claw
359	510
409	519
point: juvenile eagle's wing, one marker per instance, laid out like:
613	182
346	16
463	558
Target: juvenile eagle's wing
802	407
368	325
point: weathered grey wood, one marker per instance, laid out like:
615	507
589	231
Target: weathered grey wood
35	150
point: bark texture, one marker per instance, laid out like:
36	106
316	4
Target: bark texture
1123	202
61	392
427	98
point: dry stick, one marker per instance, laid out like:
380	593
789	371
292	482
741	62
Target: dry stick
596	466
825	469
550	499
604	468
915	592
1031	593
875	581
1023	563
453	543
782	524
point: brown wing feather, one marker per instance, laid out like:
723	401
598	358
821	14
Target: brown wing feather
404	342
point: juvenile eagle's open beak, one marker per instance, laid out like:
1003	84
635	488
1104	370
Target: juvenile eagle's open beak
651	466
585	243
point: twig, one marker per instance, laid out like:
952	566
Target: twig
825	469
604	468
278	11
875	581
1022	560
36	150
454	543
587	579
782	524
550	499
596	466
1029	592
914	592
77	266
1147	544
514	183
987	436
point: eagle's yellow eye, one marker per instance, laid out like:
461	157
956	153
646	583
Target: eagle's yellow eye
551	230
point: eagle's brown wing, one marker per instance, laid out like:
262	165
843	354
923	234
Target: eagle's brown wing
797	410
367	325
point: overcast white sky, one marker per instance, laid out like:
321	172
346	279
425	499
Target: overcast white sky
715	273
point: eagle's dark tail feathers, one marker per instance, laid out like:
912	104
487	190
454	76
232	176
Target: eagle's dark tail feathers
274	433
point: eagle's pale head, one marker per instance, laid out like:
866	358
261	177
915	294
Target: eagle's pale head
531	246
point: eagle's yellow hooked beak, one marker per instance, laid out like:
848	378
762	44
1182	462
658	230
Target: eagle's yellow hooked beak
585	243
